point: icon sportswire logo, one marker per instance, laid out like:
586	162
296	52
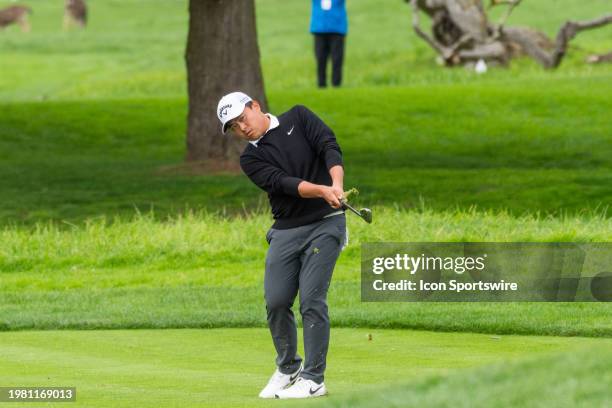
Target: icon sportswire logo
290	130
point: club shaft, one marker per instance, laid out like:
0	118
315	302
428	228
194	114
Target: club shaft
352	209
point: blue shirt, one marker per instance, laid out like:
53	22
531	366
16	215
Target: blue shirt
328	16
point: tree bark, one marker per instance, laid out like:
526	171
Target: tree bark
222	56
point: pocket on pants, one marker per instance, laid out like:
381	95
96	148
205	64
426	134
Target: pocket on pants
342	230
269	235
344	236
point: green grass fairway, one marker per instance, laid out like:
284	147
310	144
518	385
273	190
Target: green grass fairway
227	367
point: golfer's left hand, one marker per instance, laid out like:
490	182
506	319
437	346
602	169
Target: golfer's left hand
338	192
329	195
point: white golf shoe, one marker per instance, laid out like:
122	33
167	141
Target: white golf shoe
302	389
278	382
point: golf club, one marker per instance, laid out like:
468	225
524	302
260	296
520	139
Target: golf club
364	213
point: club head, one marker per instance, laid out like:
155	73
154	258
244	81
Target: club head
366	214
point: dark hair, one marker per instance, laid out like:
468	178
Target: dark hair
249	104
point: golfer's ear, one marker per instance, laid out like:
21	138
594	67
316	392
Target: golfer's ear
255	105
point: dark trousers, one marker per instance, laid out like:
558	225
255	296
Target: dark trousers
303	259
327	45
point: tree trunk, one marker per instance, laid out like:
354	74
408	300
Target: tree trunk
222	56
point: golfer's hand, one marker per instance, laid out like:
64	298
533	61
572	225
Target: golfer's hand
332	195
338	192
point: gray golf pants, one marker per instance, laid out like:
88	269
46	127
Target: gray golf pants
302	258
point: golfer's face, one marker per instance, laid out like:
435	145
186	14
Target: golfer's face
250	124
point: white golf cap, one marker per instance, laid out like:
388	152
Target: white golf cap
230	107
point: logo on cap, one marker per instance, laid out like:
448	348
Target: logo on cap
223	110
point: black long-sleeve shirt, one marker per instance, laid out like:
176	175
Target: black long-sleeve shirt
301	148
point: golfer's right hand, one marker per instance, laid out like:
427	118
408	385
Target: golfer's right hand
330	195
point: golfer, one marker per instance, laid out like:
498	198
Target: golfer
295	159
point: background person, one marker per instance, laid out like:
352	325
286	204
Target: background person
329	25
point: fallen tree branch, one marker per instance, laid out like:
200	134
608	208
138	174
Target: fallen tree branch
442	50
568	32
461	33
596	59
502	21
494	3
